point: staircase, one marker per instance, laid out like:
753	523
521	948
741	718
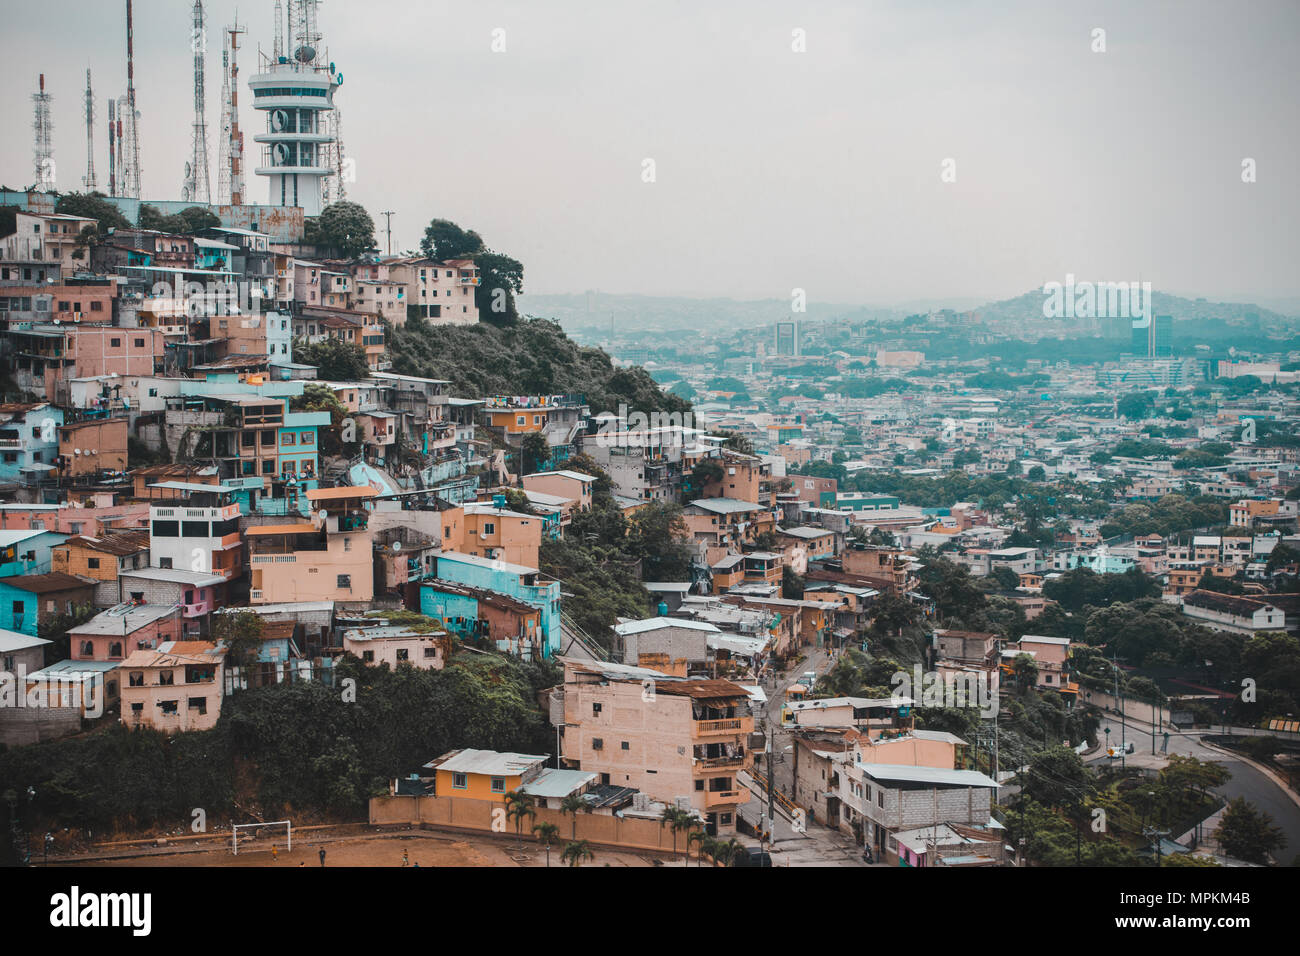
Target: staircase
578	643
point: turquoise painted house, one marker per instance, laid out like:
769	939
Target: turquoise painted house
513	580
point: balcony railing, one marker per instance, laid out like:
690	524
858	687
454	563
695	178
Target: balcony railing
728	725
718	763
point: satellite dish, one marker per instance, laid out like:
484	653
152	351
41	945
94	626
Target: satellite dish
397	546
188	170
281	154
279	119
322	514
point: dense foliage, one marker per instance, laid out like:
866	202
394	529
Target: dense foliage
300	749
531	357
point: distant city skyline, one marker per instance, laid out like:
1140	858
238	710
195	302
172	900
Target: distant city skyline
774	169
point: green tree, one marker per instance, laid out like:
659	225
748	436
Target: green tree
546	833
241	631
93	206
576	852
335	360
1057	778
346	228
444	240
534	452
1247	833
573	805
501	278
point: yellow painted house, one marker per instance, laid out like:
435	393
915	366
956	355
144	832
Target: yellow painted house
482	774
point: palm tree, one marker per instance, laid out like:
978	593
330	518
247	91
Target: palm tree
710	846
577	851
546	832
697	835
573	804
516	809
727	851
679	819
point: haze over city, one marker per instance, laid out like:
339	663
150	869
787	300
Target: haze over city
774	169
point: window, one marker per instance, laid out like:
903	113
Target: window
169	706
115	649
345	581
166	529
139	343
199	705
92	563
498	784
115	343
459	781
699	785
87	649
165	563
597	743
489	527
289	438
166	678
625	746
403	654
595	710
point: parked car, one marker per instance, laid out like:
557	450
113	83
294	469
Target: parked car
747	857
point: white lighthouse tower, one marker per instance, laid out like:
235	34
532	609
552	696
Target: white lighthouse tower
295	91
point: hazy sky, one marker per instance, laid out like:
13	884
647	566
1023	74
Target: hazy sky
774	169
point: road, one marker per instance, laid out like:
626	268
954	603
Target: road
1246	780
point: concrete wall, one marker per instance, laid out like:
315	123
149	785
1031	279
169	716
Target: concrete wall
1135	709
477	815
29	725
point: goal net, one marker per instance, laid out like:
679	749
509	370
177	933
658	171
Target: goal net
261	837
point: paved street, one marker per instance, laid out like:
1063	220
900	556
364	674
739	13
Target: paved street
1246	780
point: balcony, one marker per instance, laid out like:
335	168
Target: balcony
719	763
726	727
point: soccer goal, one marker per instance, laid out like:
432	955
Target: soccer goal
250	837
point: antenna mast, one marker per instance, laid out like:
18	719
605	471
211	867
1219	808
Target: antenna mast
198	185
43	149
112	146
230	174
131	130
88	183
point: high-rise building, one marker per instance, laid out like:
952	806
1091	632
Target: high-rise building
787	338
1155	339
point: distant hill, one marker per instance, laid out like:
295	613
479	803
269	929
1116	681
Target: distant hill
1029	307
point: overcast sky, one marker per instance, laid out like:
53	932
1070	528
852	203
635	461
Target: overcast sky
774	169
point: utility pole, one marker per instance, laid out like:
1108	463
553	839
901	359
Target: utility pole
1123	726
388	219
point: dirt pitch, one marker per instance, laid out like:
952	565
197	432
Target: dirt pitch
427	849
